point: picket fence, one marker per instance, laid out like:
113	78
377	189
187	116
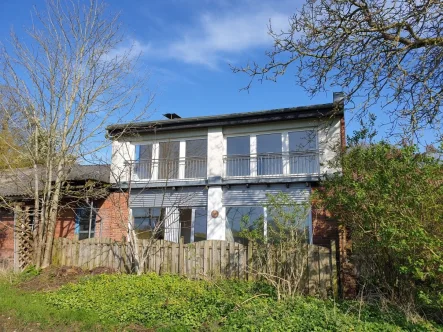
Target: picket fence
201	260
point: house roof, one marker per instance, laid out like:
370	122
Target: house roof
20	181
247	118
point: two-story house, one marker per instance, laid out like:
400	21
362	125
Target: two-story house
202	175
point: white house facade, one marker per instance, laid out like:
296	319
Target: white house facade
202	175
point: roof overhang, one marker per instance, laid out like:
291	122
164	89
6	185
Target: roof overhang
322	111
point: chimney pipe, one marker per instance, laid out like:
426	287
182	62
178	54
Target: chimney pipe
338	97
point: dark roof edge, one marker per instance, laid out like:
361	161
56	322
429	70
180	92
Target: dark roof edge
282	114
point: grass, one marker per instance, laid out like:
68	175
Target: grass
171	303
30	310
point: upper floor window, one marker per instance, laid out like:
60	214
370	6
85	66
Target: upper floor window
305	140
143	166
196	158
303	156
169	158
269	154
238	150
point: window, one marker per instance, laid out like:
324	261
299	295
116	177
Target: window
303	156
269	154
196	158
148	222
169	156
238	150
85	219
193	224
298	219
302	140
200	224
143	165
238	218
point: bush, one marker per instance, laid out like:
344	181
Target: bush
390	199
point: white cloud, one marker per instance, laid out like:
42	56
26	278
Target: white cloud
131	49
217	37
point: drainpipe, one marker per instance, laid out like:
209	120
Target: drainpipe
90	219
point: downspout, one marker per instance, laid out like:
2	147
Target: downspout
90	219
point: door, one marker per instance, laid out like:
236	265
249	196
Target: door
193	224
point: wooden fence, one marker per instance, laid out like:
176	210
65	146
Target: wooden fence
205	259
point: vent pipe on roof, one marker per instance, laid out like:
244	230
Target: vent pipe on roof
171	116
338	97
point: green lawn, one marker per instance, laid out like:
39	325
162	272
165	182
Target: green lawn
170	303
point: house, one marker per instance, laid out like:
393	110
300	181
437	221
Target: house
89	208
203	175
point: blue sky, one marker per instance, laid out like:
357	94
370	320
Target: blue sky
187	47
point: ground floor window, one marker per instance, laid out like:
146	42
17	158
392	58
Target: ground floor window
241	217
149	222
244	218
85	222
193	224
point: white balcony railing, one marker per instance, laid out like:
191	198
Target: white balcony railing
169	169
272	165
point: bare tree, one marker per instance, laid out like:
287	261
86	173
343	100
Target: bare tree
133	178
67	82
385	53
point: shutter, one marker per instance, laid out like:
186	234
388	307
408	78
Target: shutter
256	195
182	197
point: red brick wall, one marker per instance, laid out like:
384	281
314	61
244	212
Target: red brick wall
324	227
6	238
112	219
65	226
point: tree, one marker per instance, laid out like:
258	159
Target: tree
390	200
388	54
67	83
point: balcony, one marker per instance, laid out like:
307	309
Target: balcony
169	169
272	165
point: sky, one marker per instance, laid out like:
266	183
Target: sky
187	47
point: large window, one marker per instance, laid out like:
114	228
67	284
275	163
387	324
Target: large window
292	221
196	158
303	156
149	222
143	165
238	218
238	159
269	154
169	156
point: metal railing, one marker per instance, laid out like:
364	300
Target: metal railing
169	169
275	164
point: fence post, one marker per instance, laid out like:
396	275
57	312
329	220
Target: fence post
333	262
181	256
249	265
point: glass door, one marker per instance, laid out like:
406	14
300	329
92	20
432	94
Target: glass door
193	224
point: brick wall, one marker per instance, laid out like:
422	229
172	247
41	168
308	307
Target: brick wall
65	226
112	219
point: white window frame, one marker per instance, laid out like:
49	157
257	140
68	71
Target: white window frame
285	149
156	153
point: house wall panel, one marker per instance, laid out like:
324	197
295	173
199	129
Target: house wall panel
256	195
192	197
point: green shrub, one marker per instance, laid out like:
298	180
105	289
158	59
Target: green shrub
391	201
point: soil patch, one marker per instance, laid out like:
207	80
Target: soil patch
53	278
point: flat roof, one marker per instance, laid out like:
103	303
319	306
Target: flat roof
246	118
